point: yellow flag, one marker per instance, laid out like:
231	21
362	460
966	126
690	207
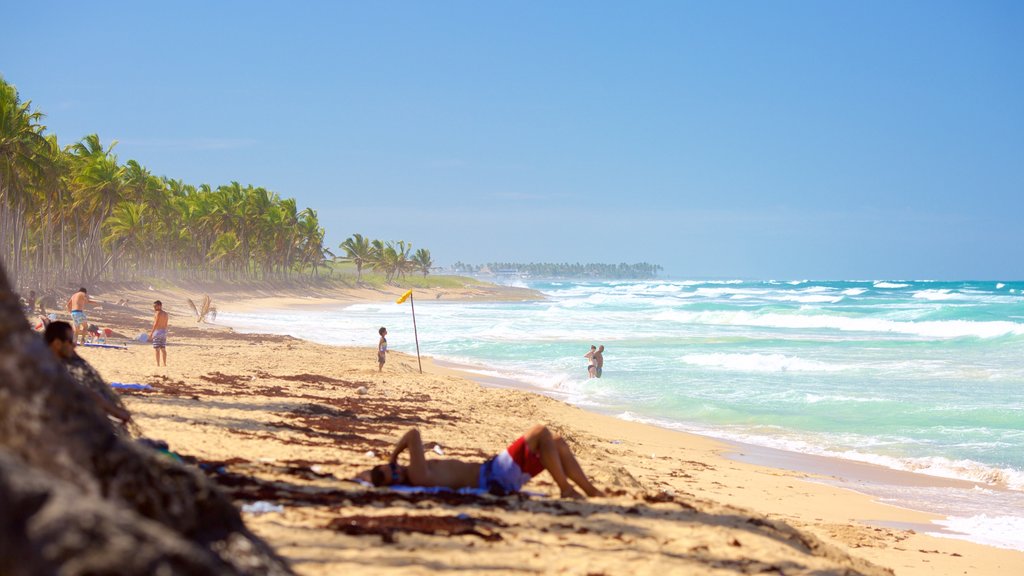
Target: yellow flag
404	297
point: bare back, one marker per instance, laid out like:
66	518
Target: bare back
78	301
160	320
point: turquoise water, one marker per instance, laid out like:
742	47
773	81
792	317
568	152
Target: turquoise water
918	376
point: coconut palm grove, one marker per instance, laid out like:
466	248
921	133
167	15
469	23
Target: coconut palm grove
76	213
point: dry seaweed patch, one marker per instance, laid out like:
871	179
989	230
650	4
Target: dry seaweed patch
387	526
311	379
352	422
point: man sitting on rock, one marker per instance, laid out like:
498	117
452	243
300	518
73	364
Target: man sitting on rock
60	337
537	450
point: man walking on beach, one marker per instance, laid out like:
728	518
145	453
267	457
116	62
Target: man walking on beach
76	307
158	333
537	450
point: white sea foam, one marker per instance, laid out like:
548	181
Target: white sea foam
999	531
936	295
1000	286
774	437
809	299
933	329
854	291
759	363
942	468
890	285
839	399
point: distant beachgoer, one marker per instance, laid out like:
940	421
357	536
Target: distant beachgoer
76	307
60	337
382	348
537	450
30	302
599	361
158	333
591	367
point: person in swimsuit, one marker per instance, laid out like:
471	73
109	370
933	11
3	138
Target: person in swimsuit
598	360
382	348
158	333
591	367
535	451
76	306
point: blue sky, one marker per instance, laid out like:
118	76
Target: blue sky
857	140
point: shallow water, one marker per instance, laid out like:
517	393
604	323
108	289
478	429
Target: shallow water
918	376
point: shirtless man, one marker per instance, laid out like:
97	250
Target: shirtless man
76	307
158	333
60	338
537	450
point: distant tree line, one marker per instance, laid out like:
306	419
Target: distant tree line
393	259
639	271
76	214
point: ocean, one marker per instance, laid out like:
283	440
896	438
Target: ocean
919	376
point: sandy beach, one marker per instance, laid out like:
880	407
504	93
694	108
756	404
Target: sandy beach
288	422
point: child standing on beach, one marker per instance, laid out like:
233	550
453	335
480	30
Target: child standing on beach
382	348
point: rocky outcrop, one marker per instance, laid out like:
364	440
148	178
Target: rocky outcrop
78	491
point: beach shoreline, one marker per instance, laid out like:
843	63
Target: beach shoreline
840	516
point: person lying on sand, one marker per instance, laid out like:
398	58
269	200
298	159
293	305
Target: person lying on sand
537	450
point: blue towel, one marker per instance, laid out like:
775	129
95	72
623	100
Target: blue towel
435	489
91	345
120	386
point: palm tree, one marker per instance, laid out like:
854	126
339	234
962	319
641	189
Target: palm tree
313	252
357	251
422	261
126	230
99	186
21	168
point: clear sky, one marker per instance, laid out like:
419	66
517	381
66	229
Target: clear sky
786	140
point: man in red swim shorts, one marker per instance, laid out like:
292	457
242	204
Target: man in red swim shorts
537	450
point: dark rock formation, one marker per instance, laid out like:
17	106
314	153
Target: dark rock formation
79	490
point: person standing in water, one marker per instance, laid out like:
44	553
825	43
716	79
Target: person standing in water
599	361
591	367
382	348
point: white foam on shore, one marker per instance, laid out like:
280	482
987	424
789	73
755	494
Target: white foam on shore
759	363
999	531
939	467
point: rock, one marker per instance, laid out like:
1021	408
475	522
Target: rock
119	494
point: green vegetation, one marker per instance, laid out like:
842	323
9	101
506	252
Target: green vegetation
75	214
623	271
390	258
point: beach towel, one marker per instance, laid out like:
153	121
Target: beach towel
114	346
122	386
436	489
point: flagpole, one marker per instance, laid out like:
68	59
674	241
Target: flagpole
412	303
